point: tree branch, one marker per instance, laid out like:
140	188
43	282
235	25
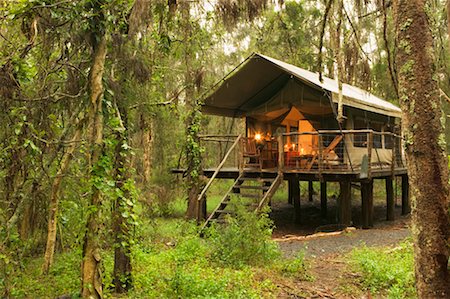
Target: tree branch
322	33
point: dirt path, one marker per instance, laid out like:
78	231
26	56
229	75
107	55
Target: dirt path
325	252
345	242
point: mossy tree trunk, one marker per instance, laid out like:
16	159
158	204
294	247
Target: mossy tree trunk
423	128
54	202
193	150
122	209
91	272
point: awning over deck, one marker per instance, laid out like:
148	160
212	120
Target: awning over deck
263	84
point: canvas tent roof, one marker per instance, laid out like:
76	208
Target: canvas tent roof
261	79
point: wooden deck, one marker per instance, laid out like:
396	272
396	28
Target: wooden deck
328	162
307	175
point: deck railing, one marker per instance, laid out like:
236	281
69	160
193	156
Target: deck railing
361	151
215	147
342	150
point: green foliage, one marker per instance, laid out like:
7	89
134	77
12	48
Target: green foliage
386	269
62	279
184	271
244	240
170	261
193	147
296	267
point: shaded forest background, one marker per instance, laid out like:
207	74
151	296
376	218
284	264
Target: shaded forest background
100	99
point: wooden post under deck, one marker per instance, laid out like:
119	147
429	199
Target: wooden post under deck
390	203
345	203
406	205
323	199
296	198
310	191
290	198
367	203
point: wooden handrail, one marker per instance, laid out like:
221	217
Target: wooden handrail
339	132
218	168
216	135
273	188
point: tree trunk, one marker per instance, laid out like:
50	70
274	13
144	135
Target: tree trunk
339	57
192	123
147	145
123	208
448	22
91	273
54	201
425	149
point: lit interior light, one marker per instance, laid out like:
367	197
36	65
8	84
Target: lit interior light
258	136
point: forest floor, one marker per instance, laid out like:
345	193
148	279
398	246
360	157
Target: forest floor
314	259
327	248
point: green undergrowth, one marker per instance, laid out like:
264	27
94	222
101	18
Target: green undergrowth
63	278
170	260
389	271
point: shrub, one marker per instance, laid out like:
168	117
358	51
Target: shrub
386	269
244	240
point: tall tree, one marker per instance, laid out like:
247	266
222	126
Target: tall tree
91	272
423	128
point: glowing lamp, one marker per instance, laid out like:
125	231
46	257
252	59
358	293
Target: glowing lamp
258	137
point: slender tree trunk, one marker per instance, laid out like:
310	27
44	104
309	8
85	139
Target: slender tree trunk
54	202
391	63
122	206
448	22
339	57
425	149
322	36
26	223
192	122
147	145
91	272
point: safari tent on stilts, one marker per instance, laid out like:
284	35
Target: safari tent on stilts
292	133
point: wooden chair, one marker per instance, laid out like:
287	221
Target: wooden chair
251	152
326	152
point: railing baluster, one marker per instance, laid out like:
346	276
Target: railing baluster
280	153
394	154
320	154
369	152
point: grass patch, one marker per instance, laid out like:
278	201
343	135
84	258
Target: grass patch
63	278
386	270
295	268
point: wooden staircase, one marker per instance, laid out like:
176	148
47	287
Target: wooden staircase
254	191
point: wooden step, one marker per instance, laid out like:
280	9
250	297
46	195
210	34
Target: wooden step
259	179
252	187
252	165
